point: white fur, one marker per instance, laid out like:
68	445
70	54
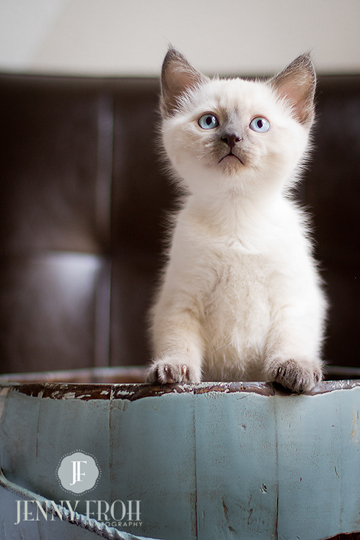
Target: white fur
240	297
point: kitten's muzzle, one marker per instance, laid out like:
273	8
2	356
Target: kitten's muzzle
231	139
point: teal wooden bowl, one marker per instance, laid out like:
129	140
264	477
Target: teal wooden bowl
207	461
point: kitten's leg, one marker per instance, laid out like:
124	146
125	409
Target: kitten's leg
178	348
292	361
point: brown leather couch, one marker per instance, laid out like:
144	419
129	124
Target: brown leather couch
83	206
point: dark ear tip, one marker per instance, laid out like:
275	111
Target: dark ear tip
306	61
168	56
172	54
302	63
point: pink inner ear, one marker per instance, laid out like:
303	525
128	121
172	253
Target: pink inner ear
183	82
298	91
296	88
176	83
178	76
296	84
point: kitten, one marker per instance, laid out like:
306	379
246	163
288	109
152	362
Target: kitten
240	297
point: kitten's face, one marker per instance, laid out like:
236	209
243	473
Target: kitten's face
233	133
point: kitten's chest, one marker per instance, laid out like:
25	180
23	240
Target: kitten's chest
239	289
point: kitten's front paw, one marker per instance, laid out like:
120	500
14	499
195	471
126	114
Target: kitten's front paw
166	372
296	376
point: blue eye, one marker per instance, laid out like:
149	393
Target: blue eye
208	121
260	124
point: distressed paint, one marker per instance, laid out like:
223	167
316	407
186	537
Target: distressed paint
214	460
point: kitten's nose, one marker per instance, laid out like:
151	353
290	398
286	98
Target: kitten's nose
231	139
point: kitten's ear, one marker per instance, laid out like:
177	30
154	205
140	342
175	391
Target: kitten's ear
177	77
296	83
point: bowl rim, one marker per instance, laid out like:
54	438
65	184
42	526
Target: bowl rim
87	391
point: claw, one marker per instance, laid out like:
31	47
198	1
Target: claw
185	371
163	372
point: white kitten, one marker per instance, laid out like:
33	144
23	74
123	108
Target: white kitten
240	297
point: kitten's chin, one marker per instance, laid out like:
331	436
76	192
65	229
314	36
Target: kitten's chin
231	165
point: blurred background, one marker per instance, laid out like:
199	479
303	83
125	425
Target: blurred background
122	37
83	194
